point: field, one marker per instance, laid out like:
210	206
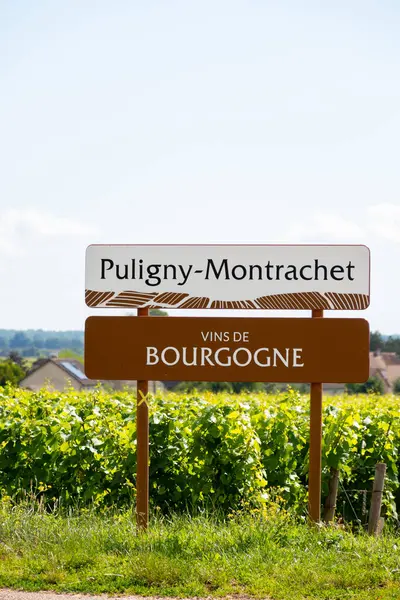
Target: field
228	483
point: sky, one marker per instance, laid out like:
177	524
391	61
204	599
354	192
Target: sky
194	122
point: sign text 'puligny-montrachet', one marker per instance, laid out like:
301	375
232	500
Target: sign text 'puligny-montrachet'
228	276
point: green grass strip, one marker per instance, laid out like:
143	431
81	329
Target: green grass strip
261	555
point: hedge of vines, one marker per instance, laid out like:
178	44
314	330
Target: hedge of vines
214	451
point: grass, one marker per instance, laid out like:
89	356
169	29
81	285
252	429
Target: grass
271	556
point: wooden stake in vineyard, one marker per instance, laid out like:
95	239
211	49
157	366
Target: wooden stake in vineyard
330	503
376	500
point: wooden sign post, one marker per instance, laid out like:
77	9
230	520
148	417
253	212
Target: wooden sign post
142	447
312	350
315	454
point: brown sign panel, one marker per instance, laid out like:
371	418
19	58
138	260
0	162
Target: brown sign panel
227	349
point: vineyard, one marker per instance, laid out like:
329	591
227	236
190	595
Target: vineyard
217	451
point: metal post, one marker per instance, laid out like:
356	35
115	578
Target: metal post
314	477
142	449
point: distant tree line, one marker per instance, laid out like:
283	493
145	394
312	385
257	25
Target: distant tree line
34	342
384	343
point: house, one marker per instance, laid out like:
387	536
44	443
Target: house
386	366
58	374
62	373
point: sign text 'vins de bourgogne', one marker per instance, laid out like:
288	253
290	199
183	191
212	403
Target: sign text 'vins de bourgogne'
228	276
227	349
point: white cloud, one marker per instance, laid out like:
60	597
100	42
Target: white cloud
325	227
16	226
384	221
378	220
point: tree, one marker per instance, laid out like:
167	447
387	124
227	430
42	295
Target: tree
30	351
16	358
53	343
374	385
392	344
376	341
10	372
76	344
396	386
19	340
38	340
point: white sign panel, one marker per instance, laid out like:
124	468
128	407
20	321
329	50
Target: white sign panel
228	276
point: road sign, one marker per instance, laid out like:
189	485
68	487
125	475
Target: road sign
227	349
228	276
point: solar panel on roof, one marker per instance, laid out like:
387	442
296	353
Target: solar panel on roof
74	370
